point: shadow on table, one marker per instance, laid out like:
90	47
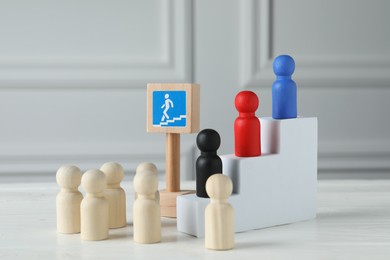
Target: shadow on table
119	236
249	245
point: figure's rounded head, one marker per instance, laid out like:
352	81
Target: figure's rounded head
166	96
68	177
284	65
147	166
208	140
94	181
246	102
219	186
114	172
145	184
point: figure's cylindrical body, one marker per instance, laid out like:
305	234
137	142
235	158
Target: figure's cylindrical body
116	198
68	211
247	135
284	99
219	226
94	218
146	220
206	165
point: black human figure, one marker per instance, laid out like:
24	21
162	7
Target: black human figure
208	163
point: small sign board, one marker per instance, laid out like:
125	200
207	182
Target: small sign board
173	108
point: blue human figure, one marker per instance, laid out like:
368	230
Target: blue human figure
284	89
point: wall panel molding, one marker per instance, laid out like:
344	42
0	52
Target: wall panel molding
45	159
369	155
257	51
174	64
257	54
171	63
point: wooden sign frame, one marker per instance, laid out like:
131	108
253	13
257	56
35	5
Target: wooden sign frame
163	90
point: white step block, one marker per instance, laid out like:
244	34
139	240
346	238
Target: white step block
276	188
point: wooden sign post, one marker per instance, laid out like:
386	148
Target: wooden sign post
172	109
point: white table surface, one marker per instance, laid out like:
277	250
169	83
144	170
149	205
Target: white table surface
353	222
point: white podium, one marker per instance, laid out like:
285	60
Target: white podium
276	188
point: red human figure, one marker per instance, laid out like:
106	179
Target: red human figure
247	125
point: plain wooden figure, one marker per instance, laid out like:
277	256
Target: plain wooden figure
68	199
219	214
94	207
146	211
115	194
148	168
208	163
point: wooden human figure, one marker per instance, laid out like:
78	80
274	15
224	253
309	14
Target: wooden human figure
208	163
115	195
247	125
284	89
94	207
148	168
68	199
146	211
219	214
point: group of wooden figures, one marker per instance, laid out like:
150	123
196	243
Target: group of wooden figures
104	206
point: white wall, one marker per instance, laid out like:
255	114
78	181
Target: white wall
73	76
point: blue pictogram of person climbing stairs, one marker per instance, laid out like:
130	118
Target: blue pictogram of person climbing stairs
169	108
